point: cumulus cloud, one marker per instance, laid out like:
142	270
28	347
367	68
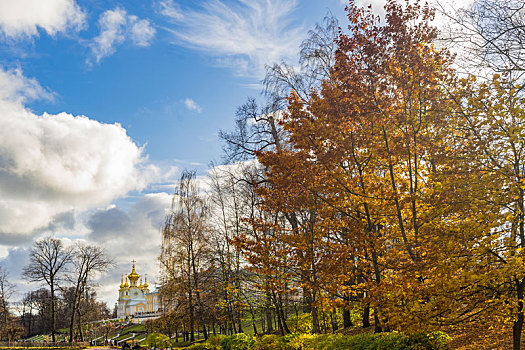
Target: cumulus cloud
244	35
133	234
23	18
117	26
53	164
56	170
124	234
192	105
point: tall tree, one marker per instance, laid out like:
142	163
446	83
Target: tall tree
368	150
184	246
258	128
48	260
493	120
87	260
6	291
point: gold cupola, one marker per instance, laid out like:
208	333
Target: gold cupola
126	285
133	276
145	281
121	281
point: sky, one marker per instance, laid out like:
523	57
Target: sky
103	103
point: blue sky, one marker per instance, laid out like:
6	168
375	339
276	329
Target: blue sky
144	87
170	73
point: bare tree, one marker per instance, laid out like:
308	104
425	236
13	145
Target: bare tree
87	260
48	260
6	291
316	58
257	127
492	35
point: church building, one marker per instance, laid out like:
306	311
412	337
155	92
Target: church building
136	298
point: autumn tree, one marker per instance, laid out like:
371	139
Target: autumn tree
362	146
48	260
184	247
258	128
492	115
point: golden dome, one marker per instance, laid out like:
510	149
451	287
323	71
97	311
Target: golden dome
133	276
145	281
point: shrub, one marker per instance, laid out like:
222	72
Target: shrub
432	341
157	340
239	341
301	324
271	342
202	346
215	341
382	341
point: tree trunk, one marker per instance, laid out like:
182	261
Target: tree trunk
334	320
347	319
79	320
192	316
279	322
377	326
53	312
518	324
73	312
366	316
315	320
253	321
240	326
269	314
283	318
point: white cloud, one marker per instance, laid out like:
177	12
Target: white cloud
142	32
22	18
52	164
192	105
116	26
244	35
133	234
170	9
16	88
125	235
56	170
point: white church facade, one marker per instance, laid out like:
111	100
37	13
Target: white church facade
135	298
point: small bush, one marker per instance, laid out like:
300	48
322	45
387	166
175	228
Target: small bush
432	341
202	346
271	342
215	341
301	324
157	340
239	341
